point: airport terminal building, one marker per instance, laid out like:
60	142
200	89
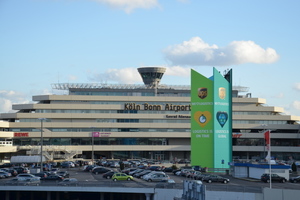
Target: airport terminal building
149	121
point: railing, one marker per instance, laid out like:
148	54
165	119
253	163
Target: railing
217	170
134	184
6	143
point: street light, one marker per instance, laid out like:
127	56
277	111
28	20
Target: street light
92	145
264	130
42	120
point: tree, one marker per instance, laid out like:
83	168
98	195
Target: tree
122	166
294	167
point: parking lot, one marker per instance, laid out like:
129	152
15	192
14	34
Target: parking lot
86	179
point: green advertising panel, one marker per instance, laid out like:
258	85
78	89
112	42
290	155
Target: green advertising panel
211	124
201	120
222	121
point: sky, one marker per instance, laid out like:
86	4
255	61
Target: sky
43	42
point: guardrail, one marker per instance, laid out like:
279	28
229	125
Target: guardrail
134	184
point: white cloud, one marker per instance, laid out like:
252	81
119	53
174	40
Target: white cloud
196	52
297	86
129	5
279	96
72	77
184	1
178	71
132	76
7	98
125	76
295	107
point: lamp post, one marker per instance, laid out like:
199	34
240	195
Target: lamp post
264	130
41	159
92	145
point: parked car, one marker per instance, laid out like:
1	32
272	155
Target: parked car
42	175
274	177
6	165
168	169
295	179
100	170
68	182
200	176
154	168
114	165
158	177
64	174
26	176
135	171
147	176
215	178
141	174
169	183
67	164
5	174
88	168
54	177
126	171
12	171
22	170
31	181
13	181
175	171
108	174
121	177
187	172
54	170
195	174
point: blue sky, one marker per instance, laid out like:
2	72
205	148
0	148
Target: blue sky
87	41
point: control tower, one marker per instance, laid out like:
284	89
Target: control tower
151	75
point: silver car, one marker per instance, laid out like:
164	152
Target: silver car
26	176
158	177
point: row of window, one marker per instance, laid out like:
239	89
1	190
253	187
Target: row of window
288	156
259	122
261	142
142	141
107	120
163	103
252	113
139	111
150	94
99	130
89	141
103	120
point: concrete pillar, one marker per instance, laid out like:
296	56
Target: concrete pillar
18	195
171	156
148	196
141	196
31	196
57	196
7	195
48	195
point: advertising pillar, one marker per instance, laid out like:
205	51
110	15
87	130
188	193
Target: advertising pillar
211	115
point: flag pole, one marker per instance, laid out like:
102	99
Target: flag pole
270	159
267	135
